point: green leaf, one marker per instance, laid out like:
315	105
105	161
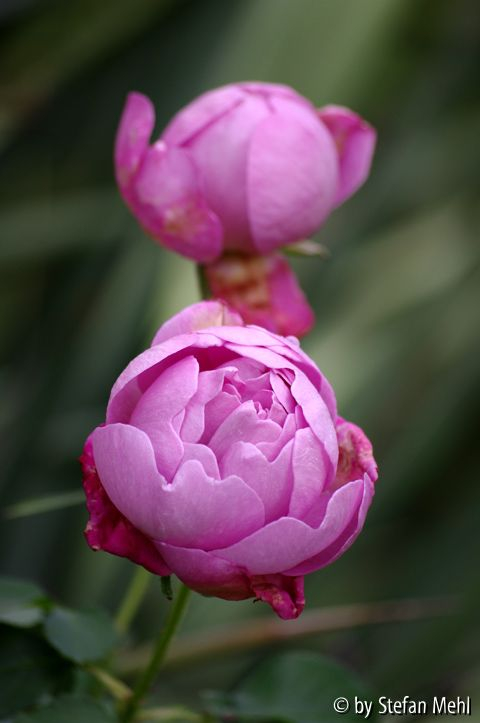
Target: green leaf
29	670
80	635
20	602
71	708
297	687
47	503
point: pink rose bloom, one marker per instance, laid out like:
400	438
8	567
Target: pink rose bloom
223	460
247	167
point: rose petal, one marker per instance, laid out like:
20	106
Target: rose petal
355	453
291	147
169	204
344	541
355	140
271	450
206	573
287	542
285	595
146	367
216	412
209	385
243	425
201	113
282	392
312	471
198	316
126	466
272	481
220	150
107	529
202	512
194	510
134	131
168	395
204	455
316	414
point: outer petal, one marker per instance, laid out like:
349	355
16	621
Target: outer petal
206	573
355	140
284	594
355	454
210	575
292	179
343	541
134	131
201	113
194	510
198	316
221	152
169	204
287	542
264	290
107	529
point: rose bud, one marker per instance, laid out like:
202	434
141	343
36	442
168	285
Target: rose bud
222	460
264	291
248	167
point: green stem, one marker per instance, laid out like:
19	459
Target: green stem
205	292
133	597
166	634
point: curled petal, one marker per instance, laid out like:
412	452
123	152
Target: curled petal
355	454
107	529
264	290
285	595
355	140
134	131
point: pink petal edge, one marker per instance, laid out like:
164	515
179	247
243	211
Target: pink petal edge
107	529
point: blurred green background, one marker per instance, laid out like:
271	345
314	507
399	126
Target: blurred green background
397	305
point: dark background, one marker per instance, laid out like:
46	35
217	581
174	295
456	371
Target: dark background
397	305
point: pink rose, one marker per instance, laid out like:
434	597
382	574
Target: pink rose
247	167
223	460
